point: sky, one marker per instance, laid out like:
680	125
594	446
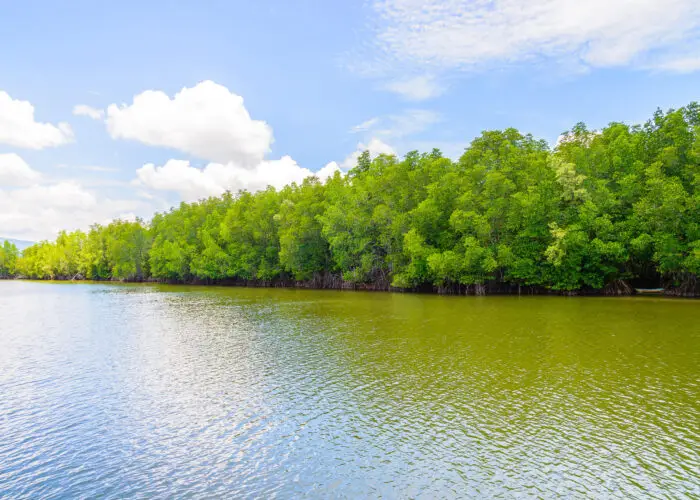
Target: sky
122	109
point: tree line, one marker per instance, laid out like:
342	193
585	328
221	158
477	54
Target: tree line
8	259
601	211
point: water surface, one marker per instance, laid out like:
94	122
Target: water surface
155	391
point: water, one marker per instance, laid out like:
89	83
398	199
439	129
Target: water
154	391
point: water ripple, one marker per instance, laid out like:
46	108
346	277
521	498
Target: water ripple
147	391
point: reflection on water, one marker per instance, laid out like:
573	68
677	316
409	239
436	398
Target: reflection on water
131	390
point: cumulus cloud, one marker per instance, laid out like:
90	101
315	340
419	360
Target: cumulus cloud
89	111
328	170
19	128
39	211
207	121
598	33
32	207
14	171
193	183
210	122
418	88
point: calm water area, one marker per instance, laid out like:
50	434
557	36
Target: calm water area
150	391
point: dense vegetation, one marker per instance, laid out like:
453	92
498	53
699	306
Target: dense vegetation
8	259
602	210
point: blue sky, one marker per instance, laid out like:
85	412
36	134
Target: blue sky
319	81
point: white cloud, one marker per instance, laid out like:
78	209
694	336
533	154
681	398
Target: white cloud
210	122
14	171
193	183
598	33
61	195
40	211
365	125
418	88
89	111
207	121
18	127
680	65
328	171
33	208
377	147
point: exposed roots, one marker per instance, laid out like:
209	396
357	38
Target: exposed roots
617	287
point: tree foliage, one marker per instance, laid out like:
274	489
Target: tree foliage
601	207
8	259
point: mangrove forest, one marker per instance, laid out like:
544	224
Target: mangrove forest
602	211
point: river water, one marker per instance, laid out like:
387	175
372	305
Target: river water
160	391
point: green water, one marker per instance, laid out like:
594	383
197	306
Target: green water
114	390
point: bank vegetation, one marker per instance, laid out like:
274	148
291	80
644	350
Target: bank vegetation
601	212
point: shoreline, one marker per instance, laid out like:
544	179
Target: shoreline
463	290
